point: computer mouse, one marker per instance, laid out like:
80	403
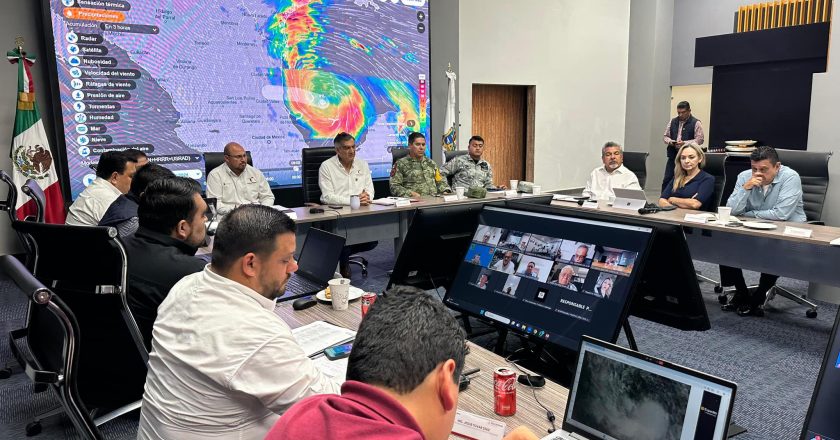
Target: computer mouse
316	210
531	381
304	303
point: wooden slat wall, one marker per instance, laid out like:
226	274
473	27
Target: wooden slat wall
499	115
781	13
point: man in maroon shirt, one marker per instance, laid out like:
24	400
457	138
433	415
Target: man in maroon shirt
402	378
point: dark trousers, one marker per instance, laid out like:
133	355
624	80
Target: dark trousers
733	276
669	171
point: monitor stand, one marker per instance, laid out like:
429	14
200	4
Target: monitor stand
628	332
735	429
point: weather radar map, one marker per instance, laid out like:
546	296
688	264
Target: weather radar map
178	78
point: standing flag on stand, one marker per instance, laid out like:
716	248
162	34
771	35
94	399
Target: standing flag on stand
31	155
450	132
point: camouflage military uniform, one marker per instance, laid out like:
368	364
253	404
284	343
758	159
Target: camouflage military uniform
421	176
464	171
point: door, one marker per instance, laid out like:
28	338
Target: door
500	115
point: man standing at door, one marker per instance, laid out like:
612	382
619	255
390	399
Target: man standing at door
681	130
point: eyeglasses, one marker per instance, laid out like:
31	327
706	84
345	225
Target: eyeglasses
238	156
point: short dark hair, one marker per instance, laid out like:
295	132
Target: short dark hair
134	154
167	201
476	138
684	105
414	135
342	138
765	152
111	162
404	336
248	228
147	175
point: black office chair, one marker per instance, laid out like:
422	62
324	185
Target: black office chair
812	168
398	153
86	266
813	172
636	162
449	155
311	161
715	166
213	159
53	342
10	205
34	191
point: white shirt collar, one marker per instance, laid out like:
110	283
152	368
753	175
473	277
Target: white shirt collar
225	284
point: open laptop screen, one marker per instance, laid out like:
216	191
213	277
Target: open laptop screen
621	394
319	254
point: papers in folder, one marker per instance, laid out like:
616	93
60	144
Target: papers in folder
390	201
315	337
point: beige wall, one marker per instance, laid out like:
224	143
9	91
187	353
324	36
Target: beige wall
574	52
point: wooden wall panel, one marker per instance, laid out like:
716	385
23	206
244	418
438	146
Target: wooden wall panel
499	115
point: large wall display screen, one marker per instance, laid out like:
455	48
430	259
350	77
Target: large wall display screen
177	78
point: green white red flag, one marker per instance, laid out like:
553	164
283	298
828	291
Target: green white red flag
31	154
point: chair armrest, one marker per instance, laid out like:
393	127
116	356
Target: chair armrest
816	223
37	376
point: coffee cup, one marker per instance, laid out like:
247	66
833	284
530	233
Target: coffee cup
724	212
536	190
459	191
339	293
514	185
355	202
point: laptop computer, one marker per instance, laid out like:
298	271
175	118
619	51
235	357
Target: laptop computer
316	264
622	394
629	199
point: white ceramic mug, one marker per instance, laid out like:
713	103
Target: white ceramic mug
514	184
536	190
355	202
339	293
724	212
459	190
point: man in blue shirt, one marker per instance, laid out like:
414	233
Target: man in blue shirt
769	191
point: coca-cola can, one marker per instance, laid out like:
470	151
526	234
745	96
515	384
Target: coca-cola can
368	298
504	391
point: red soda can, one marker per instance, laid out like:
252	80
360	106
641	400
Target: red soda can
504	391
368	298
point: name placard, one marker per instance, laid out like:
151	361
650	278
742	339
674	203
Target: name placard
797	232
450	198
401	203
511	193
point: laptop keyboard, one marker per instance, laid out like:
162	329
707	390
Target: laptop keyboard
298	284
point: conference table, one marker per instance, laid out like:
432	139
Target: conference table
478	397
811	259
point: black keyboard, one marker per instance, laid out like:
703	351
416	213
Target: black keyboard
298	284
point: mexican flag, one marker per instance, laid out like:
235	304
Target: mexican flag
31	155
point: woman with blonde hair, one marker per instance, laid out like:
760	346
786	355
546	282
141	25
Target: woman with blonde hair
691	187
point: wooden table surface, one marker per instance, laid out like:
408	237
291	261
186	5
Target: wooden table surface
478	398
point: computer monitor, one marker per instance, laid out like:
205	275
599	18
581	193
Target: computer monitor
533	273
623	394
668	292
822	422
431	252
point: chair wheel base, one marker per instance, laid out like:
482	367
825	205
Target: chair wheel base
811	313
364	273
39	388
718	289
723	299
33	428
5	373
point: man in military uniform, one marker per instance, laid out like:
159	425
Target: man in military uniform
416	175
470	169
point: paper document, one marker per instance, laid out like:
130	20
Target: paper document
315	337
473	426
388	201
336	370
835	242
564	198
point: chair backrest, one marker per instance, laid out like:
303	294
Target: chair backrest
636	162
87	267
10	203
398	153
311	161
449	155
33	190
214	159
715	166
53	342
812	168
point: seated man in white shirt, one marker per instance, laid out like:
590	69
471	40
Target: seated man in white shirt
235	183
223	365
340	177
113	179
613	174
